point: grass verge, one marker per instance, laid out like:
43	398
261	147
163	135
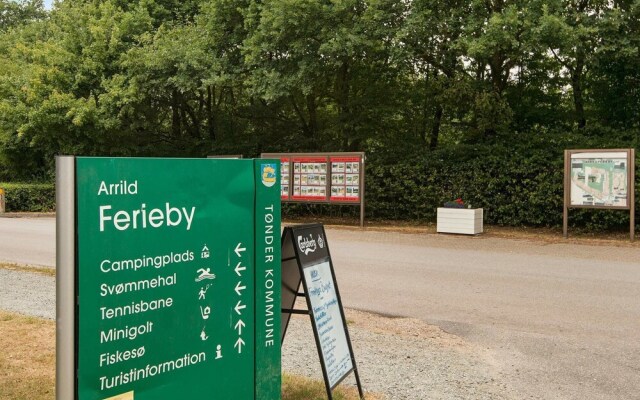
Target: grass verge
29	268
301	388
27	364
27	357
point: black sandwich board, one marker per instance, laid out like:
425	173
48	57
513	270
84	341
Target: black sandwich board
306	259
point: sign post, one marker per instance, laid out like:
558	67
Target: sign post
306	259
600	179
166	279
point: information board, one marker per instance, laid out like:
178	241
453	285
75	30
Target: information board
285	178
601	179
309	178
324	178
307	261
176	265
345	179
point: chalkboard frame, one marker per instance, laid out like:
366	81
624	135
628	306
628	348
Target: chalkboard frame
298	274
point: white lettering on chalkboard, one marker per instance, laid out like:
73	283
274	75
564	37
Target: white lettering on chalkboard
328	321
306	245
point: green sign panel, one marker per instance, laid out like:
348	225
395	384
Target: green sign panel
178	272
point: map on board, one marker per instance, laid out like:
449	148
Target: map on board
599	179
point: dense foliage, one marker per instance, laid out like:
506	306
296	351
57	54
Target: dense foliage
517	184
31	197
473	99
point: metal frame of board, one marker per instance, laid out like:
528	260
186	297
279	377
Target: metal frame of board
327	158
291	232
630	153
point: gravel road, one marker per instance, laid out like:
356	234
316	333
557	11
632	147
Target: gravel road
28	240
556	319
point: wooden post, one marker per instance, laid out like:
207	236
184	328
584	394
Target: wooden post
632	194
362	191
567	194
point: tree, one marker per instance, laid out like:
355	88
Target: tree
16	13
432	37
498	39
570	29
615	73
316	61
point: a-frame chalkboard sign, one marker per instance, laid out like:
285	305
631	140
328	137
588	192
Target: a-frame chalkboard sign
306	260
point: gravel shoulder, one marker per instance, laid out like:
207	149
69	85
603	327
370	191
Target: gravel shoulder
398	358
28	293
403	359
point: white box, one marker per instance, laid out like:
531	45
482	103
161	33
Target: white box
467	221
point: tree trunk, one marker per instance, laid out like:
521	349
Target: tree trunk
576	85
425	109
301	117
211	121
435	129
342	88
312	109
175	115
194	127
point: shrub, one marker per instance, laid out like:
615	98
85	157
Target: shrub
515	187
518	180
29	197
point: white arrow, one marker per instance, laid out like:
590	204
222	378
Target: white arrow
239	249
239	325
239	344
239	268
239	288
239	307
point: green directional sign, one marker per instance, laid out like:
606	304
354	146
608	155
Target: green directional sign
176	279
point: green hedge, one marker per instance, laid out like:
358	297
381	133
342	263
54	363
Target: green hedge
518	182
514	189
29	197
517	185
